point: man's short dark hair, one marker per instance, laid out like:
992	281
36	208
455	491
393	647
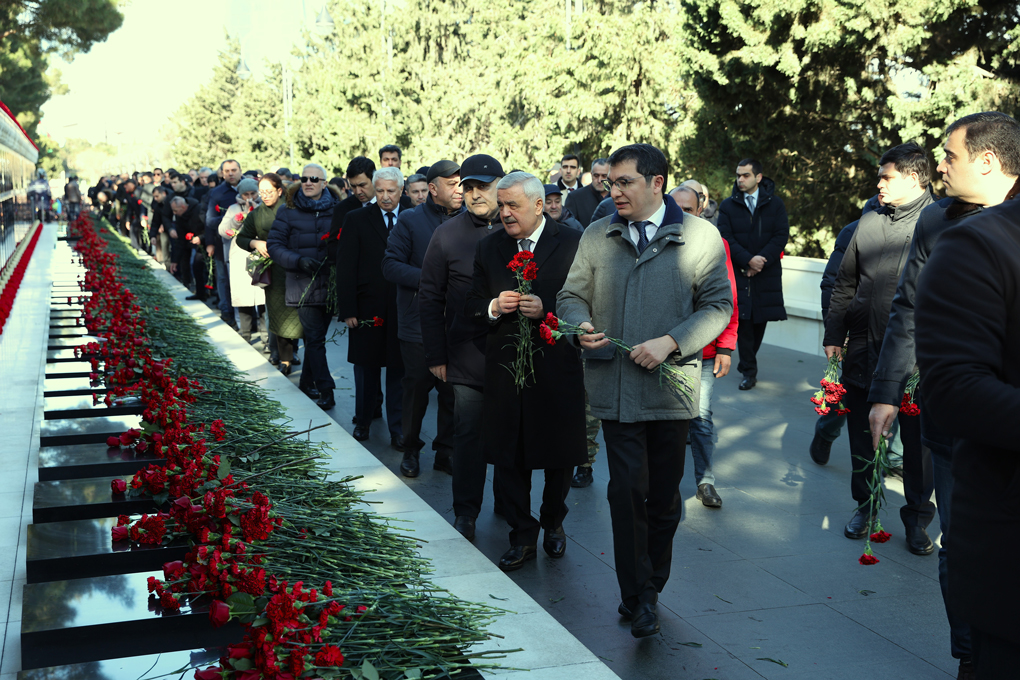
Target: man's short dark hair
144	174
649	160
360	165
909	158
599	161
338	182
571	157
755	165
390	148
995	132
157	170
230	160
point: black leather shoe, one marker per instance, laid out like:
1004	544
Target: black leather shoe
625	611
747	383
858	525
514	558
361	433
284	368
326	402
397	442
555	543
918	541
295	361
708	496
443	465
311	392
409	466
645	621
966	670
582	477
466	526
820	450
273	360
197	296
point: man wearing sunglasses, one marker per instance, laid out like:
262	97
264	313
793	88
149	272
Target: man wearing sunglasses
655	278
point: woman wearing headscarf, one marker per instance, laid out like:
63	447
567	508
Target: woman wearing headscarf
248	299
284	324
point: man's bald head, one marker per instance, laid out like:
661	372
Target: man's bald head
687	199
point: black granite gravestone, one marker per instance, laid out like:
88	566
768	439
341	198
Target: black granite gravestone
58	551
79	461
84	430
89	498
91	619
70	369
82	406
62	387
170	665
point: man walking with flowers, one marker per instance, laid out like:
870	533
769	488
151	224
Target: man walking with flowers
532	415
654	278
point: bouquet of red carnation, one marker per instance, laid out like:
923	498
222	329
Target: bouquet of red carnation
907	406
210	274
525	271
832	391
880	467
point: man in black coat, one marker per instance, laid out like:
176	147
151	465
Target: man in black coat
858	314
360	172
753	220
981	169
539	426
405	253
968	329
582	203
362	295
185	218
454	344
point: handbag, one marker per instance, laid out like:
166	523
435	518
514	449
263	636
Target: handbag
259	269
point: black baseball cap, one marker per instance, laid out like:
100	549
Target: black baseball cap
552	189
423	171
442	169
481	168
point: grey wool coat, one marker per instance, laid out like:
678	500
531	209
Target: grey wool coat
677	287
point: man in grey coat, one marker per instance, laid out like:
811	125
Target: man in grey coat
654	278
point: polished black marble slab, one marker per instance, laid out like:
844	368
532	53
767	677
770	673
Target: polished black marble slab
82	406
65	354
90	498
68	331
79	461
67	322
70	369
132	667
91	619
58	551
55	387
61	343
59	313
84	430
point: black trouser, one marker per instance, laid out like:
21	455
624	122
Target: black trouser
246	323
918	478
646	464
368	393
469	465
418	382
995	658
315	370
749	337
515	494
199	268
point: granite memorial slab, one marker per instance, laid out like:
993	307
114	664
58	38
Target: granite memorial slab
61	343
58	551
83	406
89	498
168	664
65	354
64	314
67	322
84	430
59	387
68	331
69	369
91	619
78	461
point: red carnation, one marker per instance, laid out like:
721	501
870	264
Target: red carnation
530	272
880	537
219	613
119	486
239	217
868	560
552	322
329	656
189	236
119	534
376	321
546	334
113	441
219	209
211	673
324	237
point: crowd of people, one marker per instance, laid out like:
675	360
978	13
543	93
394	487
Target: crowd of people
416	269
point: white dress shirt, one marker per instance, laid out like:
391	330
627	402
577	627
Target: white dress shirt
656	221
754	196
535	235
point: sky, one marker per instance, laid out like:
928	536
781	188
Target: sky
125	90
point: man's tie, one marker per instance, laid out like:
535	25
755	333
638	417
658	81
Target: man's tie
526	244
642	236
750	202
389	218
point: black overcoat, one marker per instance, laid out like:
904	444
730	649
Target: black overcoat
549	413
765	233
362	292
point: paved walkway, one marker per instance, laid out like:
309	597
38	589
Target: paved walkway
769	576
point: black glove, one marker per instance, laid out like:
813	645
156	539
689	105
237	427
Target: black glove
309	265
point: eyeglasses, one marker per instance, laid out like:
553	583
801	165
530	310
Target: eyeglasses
313	180
623	183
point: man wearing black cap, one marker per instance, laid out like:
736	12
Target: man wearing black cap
405	252
554	208
454	344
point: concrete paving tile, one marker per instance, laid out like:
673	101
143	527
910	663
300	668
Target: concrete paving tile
808	636
912	669
548	646
454	557
10	532
588	671
733	586
11	662
12	502
492	589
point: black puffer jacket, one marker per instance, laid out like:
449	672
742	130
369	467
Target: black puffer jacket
299	232
866	284
765	233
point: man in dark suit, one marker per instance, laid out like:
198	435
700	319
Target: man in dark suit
363	294
582	203
539	426
753	220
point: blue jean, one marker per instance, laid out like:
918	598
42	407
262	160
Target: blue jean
702	429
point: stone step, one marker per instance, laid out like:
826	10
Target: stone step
84	548
87	498
91	619
78	461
